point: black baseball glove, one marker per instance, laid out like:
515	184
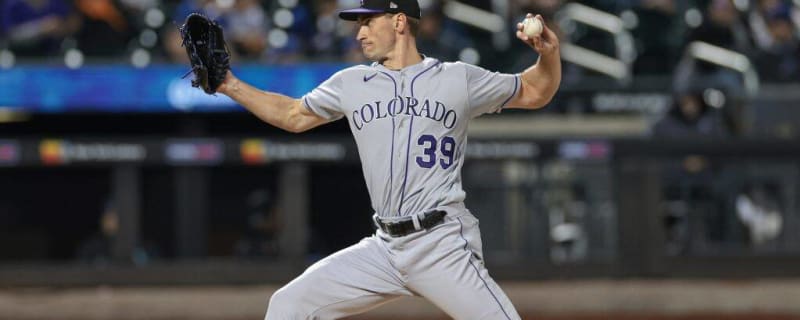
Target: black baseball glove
207	51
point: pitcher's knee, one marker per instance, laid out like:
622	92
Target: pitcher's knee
284	298
288	300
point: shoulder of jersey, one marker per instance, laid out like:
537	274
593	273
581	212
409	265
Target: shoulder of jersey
353	72
450	65
358	70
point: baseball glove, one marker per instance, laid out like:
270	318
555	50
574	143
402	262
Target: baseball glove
207	50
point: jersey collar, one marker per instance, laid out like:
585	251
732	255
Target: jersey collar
414	68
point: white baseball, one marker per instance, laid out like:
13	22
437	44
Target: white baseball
531	27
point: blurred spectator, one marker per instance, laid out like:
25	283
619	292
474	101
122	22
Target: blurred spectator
99	248
723	27
37	27
779	57
656	35
329	42
439	37
105	29
429	41
689	203
246	28
136	10
758	25
261	233
690	117
293	28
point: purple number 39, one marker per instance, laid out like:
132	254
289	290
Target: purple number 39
448	147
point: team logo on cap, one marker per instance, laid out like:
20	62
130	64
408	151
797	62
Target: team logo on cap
392	5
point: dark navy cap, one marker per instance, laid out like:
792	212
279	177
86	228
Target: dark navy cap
409	7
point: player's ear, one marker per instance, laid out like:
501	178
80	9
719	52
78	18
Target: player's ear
399	21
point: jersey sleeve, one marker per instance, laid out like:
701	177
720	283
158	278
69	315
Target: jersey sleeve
489	91
325	99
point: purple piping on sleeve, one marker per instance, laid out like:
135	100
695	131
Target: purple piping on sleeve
516	86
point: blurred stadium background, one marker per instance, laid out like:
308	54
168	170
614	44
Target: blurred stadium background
661	182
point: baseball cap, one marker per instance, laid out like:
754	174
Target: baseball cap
409	7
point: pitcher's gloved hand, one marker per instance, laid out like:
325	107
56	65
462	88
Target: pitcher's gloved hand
207	50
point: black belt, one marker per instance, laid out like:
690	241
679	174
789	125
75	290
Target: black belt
405	227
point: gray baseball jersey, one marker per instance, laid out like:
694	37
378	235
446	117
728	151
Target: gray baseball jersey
410	127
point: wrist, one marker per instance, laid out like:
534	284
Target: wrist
548	54
228	85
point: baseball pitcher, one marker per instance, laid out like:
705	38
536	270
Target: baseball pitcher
409	115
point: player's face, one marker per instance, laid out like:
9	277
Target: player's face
376	35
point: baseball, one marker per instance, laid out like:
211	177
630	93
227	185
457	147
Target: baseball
532	27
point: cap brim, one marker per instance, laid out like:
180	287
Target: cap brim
352	14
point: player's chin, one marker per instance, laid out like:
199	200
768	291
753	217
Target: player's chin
370	55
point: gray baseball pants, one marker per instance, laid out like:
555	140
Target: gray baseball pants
443	264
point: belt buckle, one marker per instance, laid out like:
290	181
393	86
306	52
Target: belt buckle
393	228
384	226
423	218
387	227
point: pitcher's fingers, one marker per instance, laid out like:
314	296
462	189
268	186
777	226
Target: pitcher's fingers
522	36
537	43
